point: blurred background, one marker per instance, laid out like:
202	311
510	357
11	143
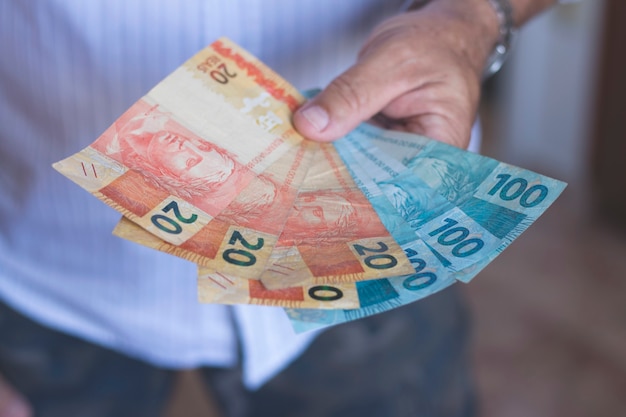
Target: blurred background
549	314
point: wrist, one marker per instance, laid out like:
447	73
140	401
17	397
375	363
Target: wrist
482	26
500	51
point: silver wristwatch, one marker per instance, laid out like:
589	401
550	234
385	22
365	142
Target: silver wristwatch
506	34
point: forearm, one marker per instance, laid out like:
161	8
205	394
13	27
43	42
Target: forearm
524	10
481	20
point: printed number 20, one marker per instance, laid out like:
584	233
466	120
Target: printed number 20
168	225
221	75
241	257
381	261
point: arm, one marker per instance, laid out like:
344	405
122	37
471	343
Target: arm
420	70
12	404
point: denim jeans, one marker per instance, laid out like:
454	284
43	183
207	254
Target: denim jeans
412	361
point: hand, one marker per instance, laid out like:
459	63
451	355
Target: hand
12	404
419	72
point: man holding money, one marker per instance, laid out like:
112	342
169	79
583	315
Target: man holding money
93	325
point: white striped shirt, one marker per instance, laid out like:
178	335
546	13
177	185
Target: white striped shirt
69	68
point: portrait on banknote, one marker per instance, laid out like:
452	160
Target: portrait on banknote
263	205
415	201
325	214
450	173
173	158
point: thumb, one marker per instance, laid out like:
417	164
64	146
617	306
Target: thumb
353	97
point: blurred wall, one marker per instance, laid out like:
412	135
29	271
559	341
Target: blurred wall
546	90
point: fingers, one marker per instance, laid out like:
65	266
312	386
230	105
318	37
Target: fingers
441	129
440	110
353	97
12	404
416	68
436	111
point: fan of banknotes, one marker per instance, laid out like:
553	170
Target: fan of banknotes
208	167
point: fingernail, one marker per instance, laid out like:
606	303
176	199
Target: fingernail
317	116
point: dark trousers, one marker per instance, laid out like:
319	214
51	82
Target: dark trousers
412	361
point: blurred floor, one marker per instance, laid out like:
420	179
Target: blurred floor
549	320
550	312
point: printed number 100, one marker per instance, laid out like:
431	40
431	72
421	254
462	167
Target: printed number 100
449	235
518	188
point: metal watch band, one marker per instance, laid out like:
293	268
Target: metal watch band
504	11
